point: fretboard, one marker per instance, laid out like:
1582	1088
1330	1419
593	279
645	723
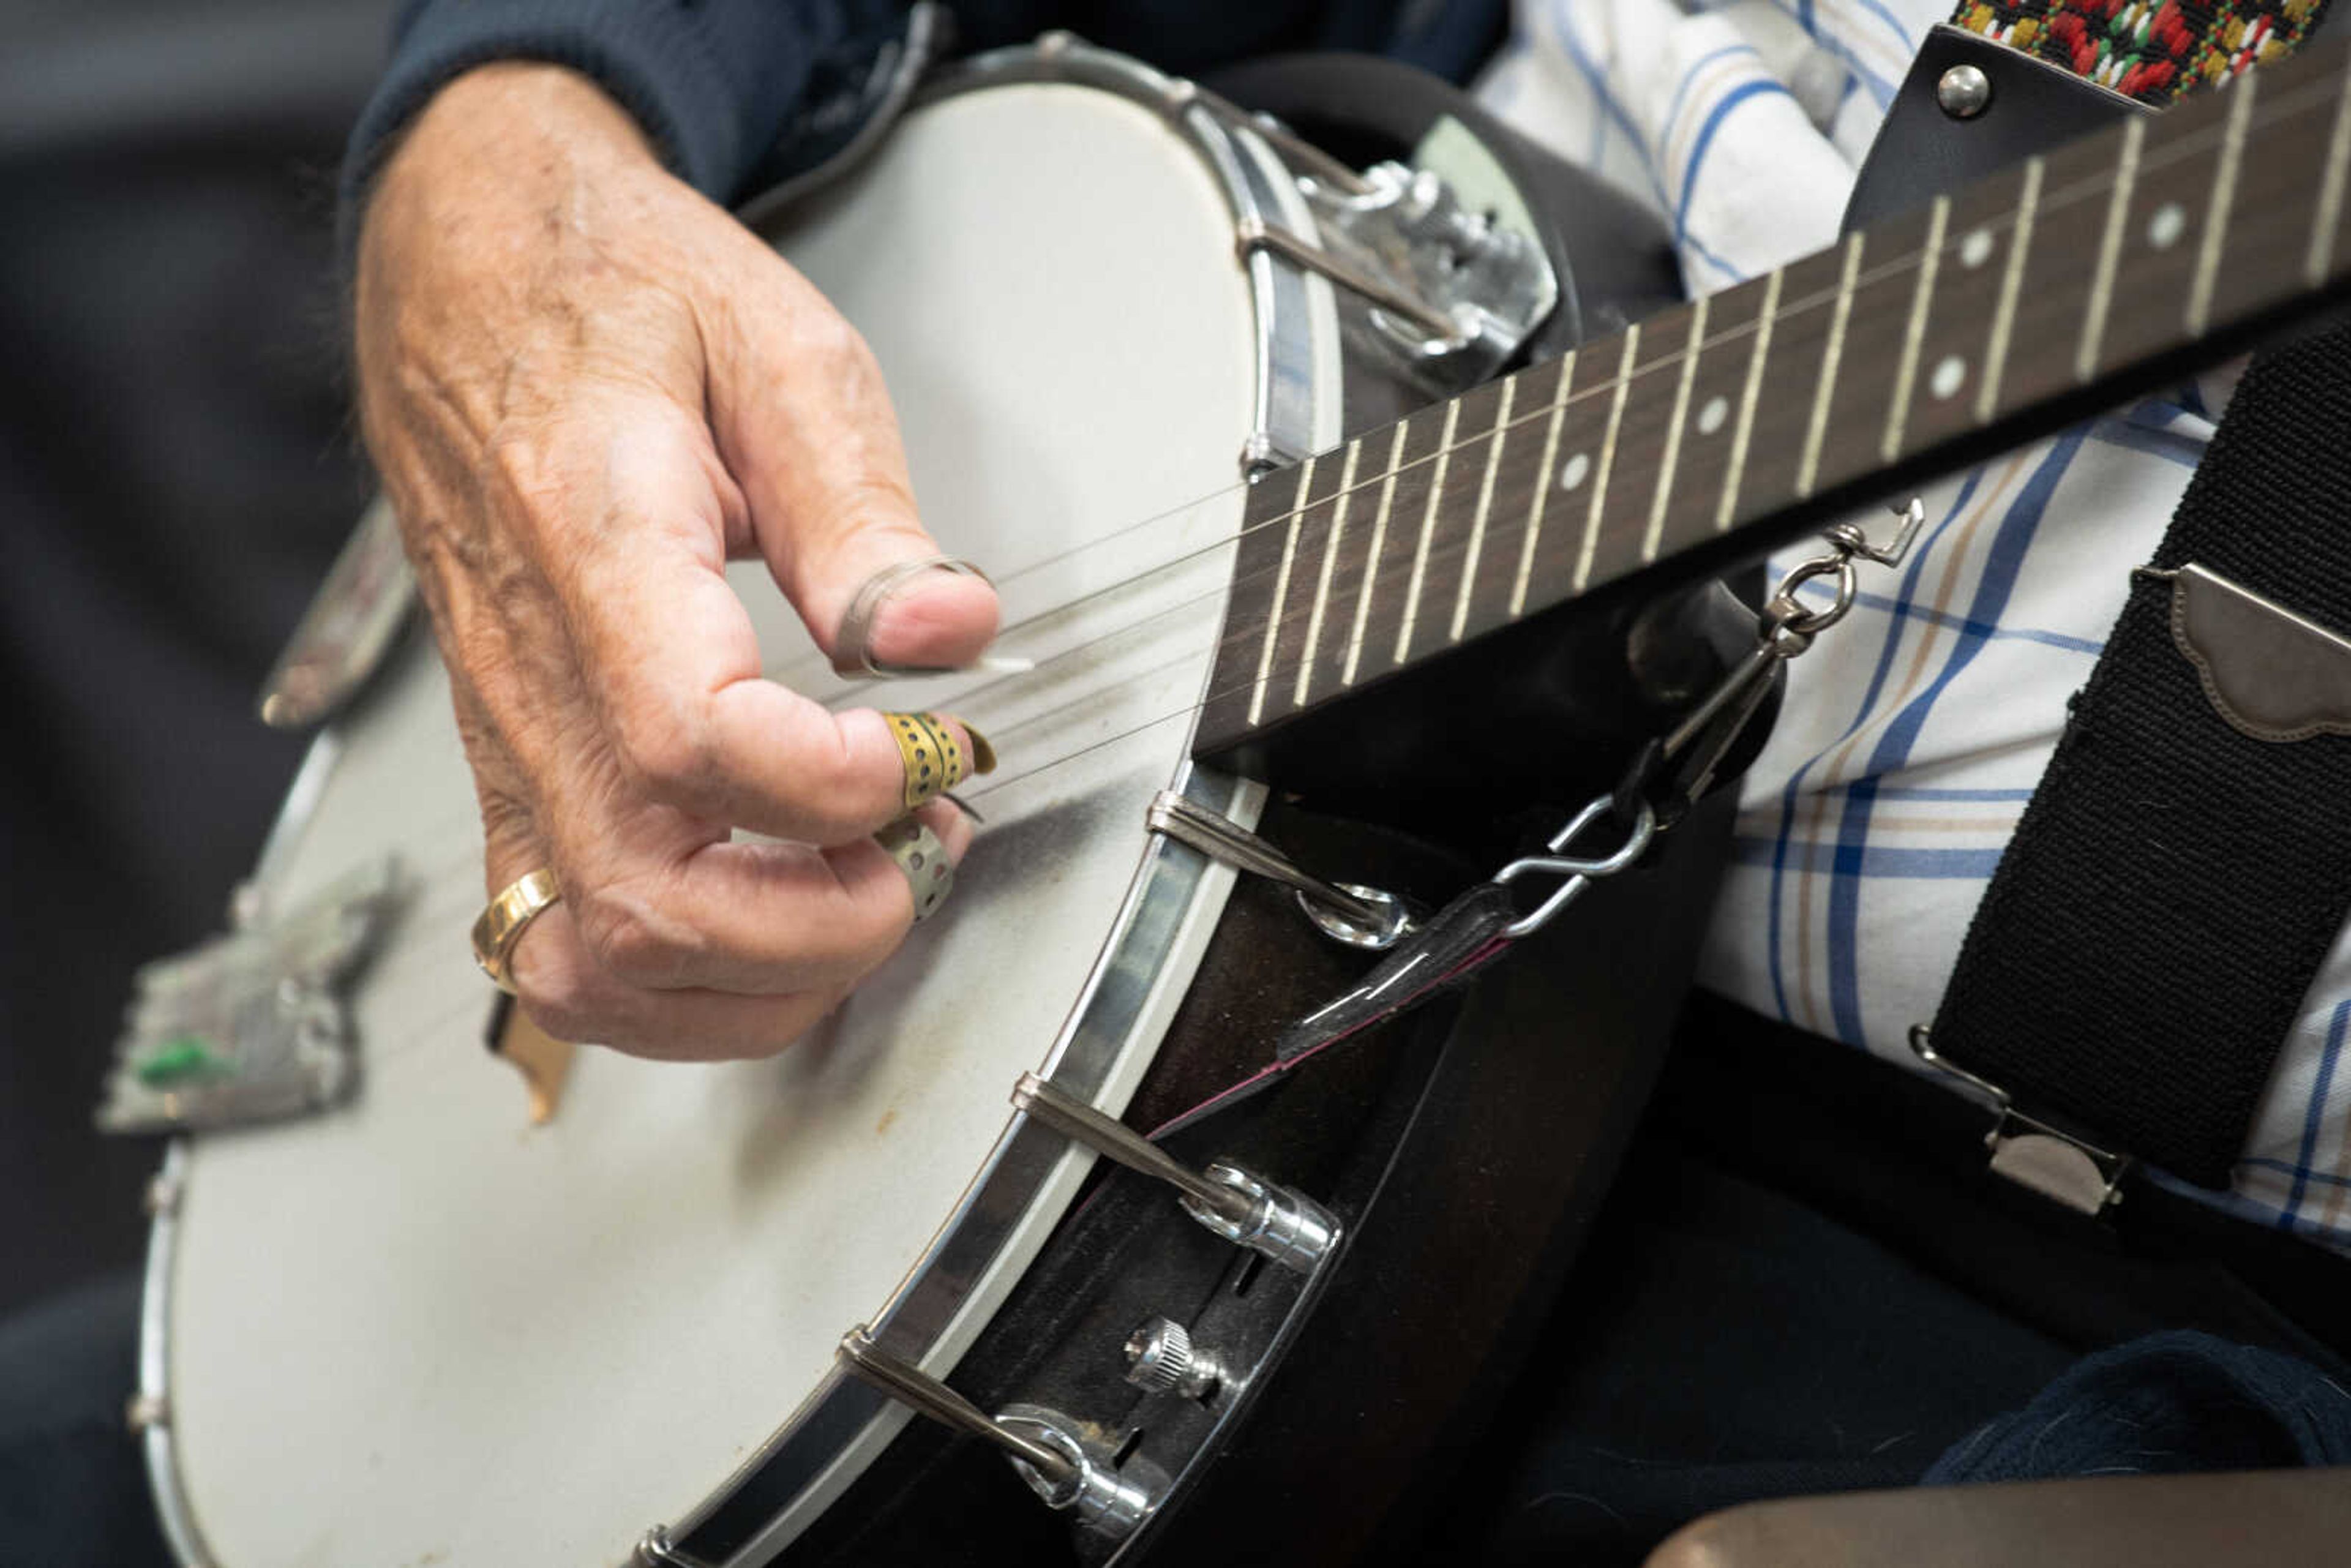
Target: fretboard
1720	427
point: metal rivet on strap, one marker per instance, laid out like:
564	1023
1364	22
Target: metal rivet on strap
1964	92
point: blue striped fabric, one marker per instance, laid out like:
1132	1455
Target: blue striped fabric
1915	730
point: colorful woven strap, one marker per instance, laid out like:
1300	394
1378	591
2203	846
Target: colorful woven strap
2152	50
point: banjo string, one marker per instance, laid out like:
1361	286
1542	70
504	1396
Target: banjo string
421	942
1444	552
403	949
445	867
2266	115
453	824
420	938
978	706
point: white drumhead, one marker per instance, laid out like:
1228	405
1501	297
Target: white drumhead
419	1331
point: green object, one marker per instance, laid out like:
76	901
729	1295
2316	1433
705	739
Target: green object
179	1058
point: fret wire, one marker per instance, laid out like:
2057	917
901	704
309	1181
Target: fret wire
2279	109
1428	524
1541	480
1914	330
2330	190
2223	197
997	784
1371	557
1808	470
2050	200
1542	485
1216	649
1868	276
1485	505
1280	592
2011	281
1323	579
1673	453
1607	456
1737	468
2196	143
1160	615
2110	247
2336	91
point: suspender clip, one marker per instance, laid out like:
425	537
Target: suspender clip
2060	1165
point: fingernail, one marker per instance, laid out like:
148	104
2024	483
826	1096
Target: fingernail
852	644
932	759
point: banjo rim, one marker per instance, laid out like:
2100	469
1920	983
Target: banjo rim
1297	410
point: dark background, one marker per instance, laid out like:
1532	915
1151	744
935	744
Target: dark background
176	470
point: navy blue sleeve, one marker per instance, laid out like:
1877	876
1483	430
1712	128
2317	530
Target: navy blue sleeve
711	81
715	83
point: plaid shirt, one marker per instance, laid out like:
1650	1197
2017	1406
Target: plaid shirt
1914	731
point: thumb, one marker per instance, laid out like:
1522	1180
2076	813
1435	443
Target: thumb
805	426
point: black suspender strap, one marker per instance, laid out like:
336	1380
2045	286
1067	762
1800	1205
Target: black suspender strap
2185	863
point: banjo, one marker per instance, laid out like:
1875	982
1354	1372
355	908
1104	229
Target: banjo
692	1316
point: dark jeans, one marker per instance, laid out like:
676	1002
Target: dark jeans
72	1492
1804	1283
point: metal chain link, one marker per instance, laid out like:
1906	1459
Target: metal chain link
1784	629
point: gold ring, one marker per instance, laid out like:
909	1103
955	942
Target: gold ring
501	924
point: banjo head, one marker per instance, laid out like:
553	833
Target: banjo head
418	1329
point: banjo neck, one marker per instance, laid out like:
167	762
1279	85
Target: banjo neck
2000	312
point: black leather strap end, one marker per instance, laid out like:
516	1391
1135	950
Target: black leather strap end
2147	943
1921	152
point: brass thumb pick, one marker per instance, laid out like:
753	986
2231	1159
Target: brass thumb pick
932	759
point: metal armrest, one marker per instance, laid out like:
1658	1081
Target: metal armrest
2281	1519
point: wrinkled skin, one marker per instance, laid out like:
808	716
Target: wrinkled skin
587	388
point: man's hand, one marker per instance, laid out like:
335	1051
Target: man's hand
587	388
